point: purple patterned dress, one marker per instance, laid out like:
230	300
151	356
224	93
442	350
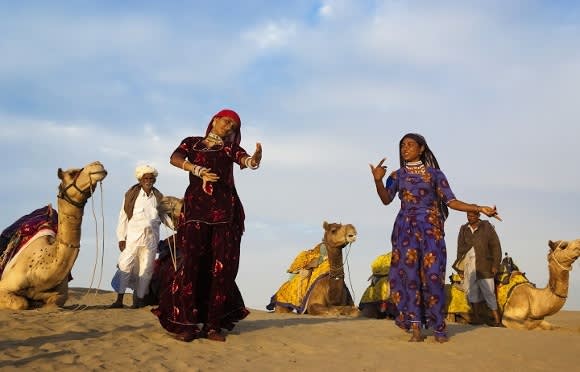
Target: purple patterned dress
203	289
419	257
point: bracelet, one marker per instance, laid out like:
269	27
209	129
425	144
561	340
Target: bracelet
248	163
183	164
197	170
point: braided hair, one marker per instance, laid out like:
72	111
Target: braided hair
428	159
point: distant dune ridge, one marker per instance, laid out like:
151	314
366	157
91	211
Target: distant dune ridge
87	336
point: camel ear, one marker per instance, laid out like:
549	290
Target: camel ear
59	173
325	225
557	243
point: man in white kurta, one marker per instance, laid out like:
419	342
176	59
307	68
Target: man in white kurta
138	236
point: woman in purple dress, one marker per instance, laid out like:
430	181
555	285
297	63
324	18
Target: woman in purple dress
202	290
419	257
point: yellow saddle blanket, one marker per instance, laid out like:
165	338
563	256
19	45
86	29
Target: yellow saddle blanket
456	299
378	290
294	292
504	291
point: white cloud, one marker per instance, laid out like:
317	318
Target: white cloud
271	34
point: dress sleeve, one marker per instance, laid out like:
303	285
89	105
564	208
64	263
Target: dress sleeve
237	153
183	147
392	184
443	189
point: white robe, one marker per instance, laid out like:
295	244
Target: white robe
141	236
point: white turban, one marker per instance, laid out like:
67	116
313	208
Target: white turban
144	169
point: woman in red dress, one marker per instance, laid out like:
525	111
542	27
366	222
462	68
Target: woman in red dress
202	290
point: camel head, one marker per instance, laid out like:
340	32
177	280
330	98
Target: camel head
564	252
77	185
171	206
338	235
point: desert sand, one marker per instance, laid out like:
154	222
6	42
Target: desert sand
85	335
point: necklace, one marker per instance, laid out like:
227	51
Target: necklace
417	163
214	138
415	167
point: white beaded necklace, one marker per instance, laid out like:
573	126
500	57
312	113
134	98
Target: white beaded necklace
417	163
415	167
214	138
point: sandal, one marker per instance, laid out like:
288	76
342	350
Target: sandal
185	336
441	339
417	338
214	335
416	333
116	305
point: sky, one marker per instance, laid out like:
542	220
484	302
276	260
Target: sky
327	87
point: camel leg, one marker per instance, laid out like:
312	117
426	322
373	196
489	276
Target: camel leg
59	298
55	297
320	309
282	310
546	326
349	310
523	323
11	301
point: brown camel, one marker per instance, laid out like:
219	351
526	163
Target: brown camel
326	294
527	306
39	273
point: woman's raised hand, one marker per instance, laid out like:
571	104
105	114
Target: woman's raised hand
379	170
491	212
257	157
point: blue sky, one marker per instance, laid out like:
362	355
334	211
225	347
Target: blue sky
327	87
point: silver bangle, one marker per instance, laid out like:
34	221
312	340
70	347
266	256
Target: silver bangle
248	163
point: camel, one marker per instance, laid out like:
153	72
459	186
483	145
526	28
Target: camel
170	206
527	306
319	281
39	272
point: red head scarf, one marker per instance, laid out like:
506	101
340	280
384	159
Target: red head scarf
236	136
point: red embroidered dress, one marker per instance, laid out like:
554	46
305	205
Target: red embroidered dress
203	289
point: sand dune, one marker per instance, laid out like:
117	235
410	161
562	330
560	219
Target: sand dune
85	335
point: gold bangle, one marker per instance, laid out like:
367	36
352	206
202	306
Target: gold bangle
183	164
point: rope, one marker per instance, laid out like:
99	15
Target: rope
102	253
348	269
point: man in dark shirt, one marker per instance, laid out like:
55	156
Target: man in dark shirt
479	247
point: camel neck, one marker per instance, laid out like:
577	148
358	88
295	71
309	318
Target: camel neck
559	279
70	219
335	261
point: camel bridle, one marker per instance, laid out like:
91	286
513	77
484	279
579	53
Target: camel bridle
63	190
552	256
